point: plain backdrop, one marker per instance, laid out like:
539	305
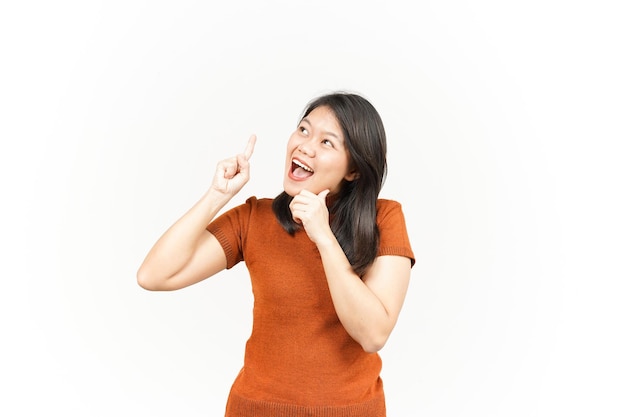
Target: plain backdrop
505	124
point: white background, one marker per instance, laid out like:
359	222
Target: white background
505	124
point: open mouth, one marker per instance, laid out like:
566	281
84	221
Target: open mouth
300	170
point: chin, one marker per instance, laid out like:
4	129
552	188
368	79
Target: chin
292	190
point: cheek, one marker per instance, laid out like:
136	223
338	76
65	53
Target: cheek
341	165
290	145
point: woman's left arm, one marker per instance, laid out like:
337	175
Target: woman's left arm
367	307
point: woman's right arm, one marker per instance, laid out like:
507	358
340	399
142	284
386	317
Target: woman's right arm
187	253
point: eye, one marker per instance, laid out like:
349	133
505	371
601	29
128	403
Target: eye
304	130
327	142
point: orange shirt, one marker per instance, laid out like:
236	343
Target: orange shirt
299	360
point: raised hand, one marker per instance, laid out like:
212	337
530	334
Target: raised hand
309	209
233	173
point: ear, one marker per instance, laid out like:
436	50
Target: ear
352	175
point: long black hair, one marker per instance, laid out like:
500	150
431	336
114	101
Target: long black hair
353	210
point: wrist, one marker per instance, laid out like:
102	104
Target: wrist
326	241
216	197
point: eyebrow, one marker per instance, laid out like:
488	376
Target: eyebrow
326	133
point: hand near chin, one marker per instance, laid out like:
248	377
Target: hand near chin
309	209
233	173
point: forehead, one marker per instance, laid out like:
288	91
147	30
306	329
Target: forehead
324	118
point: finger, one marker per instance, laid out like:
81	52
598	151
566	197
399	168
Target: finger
298	207
247	153
297	210
305	195
323	194
229	167
243	166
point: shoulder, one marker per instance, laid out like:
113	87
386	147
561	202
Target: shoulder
390	216
255	203
259	200
243	212
386	208
394	237
255	207
385	203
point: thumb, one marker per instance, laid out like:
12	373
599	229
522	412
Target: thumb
323	194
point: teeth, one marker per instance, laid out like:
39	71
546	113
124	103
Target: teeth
301	165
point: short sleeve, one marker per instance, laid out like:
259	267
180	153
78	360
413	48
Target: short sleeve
394	238
230	229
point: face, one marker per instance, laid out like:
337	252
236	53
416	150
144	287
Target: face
317	158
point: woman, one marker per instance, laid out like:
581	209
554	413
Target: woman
328	260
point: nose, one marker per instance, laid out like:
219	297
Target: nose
306	149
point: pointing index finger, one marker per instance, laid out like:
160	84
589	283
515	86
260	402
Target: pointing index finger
249	147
